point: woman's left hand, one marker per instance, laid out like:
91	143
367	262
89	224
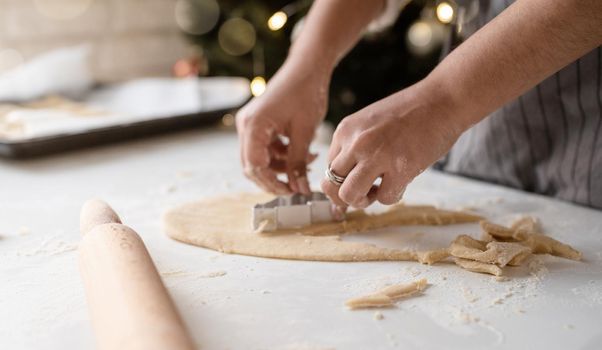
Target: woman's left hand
394	139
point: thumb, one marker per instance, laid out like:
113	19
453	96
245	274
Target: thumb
298	154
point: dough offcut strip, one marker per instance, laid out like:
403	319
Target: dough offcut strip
387	296
129	305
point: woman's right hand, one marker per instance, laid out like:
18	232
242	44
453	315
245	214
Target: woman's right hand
292	107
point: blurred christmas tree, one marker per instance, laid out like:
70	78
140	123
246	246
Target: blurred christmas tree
252	38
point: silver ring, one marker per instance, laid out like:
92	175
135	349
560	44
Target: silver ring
334	178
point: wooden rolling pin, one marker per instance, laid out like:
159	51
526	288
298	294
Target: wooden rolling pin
129	305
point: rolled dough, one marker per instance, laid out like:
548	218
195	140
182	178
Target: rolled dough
224	224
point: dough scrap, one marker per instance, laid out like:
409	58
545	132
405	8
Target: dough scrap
537	242
430	257
499	253
527	223
388	296
224	224
477	266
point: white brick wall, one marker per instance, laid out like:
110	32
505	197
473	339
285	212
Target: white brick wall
131	38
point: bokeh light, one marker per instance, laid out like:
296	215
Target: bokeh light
9	59
62	9
420	37
445	12
258	86
228	120
277	21
236	36
197	16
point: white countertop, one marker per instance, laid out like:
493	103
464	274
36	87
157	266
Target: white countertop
276	304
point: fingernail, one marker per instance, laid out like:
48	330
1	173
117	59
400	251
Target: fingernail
338	213
303	185
403	191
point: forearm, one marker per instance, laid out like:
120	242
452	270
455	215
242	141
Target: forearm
525	44
331	29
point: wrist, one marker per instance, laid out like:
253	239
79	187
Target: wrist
446	105
311	75
312	56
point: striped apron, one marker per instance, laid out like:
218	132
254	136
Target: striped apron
548	141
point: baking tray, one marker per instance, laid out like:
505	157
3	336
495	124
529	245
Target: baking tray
46	145
41	145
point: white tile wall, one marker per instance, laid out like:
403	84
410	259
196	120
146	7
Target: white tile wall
131	38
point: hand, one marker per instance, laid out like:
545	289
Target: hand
394	139
292	107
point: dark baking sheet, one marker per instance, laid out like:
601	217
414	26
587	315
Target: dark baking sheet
36	147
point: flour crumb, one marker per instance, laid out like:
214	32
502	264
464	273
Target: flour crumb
497	301
50	247
378	316
469	295
265	291
181	273
501	278
537	268
466	318
171	273
24	230
213	274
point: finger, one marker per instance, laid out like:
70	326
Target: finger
278	149
391	189
337	212
358	185
256	147
241	137
334	150
336	143
311	157
280	165
342	164
257	158
270	183
298	151
332	192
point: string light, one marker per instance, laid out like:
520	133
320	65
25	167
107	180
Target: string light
445	12
277	21
258	86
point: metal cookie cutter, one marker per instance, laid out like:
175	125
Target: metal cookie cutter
292	211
